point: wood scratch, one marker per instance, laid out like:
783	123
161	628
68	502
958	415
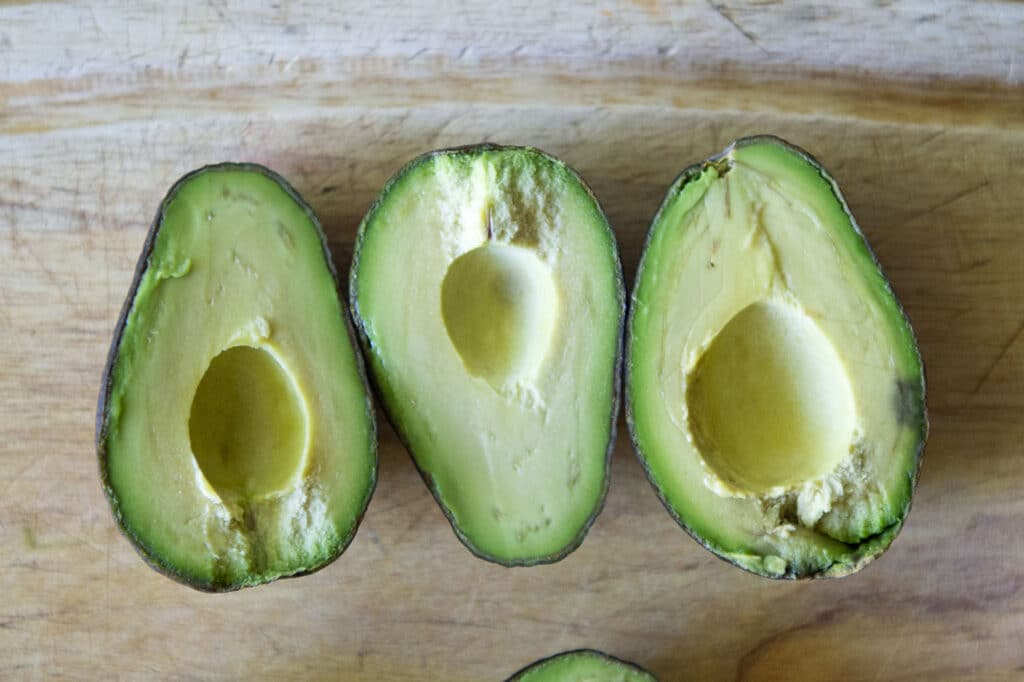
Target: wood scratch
947	202
723	11
50	276
749	660
97	25
221	8
941	132
999	358
17	477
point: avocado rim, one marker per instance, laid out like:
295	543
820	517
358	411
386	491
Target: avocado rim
518	675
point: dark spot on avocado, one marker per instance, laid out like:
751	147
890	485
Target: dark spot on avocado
909	402
722	166
249	519
787	512
286	238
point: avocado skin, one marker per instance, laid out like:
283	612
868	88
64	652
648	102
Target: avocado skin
364	339
106	383
886	537
519	674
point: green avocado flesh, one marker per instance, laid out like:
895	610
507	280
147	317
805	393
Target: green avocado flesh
487	285
236	439
584	665
775	390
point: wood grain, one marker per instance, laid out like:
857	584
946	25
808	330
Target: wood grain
917	108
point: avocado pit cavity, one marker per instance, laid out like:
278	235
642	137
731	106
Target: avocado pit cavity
770	407
248	425
500	305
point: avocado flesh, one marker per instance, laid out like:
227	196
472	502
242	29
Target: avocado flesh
775	390
584	665
236	439
487	286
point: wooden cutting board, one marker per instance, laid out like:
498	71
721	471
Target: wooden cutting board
917	109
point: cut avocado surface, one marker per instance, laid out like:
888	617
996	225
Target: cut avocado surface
775	392
235	434
487	288
582	665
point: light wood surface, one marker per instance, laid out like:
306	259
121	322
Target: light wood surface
916	107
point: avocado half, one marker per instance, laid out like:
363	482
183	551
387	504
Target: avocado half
487	290
235	433
582	665
774	389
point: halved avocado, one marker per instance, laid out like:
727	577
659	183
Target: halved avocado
235	434
775	393
487	288
582	665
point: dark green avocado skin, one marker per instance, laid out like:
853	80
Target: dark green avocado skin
106	383
518	675
367	346
914	398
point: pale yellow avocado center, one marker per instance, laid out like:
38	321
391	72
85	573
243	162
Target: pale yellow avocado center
500	305
769	402
248	425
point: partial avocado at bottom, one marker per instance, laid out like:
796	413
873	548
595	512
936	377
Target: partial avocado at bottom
582	665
